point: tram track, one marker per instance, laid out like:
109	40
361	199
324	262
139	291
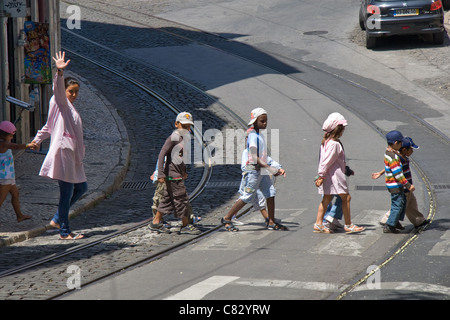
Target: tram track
207	175
205	38
362	114
208	42
377	96
207	172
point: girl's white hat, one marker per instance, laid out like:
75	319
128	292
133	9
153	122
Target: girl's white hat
333	121
255	114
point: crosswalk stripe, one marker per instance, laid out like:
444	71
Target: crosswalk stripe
441	248
349	245
409	286
201	289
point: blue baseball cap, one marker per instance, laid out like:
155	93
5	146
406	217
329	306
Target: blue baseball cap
393	136
408	142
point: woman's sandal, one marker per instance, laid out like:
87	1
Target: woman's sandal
320	228
72	236
229	226
277	226
353	229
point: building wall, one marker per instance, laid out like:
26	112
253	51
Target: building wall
39	11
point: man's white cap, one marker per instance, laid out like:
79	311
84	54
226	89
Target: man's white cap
185	118
255	114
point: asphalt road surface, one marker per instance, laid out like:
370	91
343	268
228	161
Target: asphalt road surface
302	60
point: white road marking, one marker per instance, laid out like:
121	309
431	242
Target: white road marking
442	248
233	241
409	286
388	125
201	289
290	284
352	245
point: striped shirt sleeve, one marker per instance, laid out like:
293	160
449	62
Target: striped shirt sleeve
395	179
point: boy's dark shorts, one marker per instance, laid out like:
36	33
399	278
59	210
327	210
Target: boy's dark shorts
175	199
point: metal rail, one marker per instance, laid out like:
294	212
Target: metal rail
428	185
207	172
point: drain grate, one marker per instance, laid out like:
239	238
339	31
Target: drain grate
441	186
315	33
371	188
223	184
135	185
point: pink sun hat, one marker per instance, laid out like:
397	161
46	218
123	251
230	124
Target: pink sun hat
8	127
333	121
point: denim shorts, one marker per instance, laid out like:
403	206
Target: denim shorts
252	180
259	202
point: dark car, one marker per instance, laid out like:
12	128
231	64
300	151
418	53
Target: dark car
381	18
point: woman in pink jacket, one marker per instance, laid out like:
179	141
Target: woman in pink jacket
332	172
64	160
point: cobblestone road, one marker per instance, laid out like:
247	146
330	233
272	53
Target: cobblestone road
148	123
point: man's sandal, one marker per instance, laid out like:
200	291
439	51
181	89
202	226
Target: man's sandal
229	226
353	229
320	228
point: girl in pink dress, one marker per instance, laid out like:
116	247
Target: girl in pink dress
64	160
332	172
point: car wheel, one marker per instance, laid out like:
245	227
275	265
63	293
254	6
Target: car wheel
438	38
371	42
362	24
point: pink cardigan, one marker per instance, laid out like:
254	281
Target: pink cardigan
64	160
332	168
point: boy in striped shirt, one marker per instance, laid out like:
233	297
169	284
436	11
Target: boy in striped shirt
396	182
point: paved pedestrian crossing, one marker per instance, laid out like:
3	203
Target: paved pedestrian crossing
201	289
253	230
353	244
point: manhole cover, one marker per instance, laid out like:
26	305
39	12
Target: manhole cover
223	184
315	33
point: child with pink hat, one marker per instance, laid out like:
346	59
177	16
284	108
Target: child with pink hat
7	172
331	173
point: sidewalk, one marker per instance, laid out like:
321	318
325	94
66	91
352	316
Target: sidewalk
106	163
